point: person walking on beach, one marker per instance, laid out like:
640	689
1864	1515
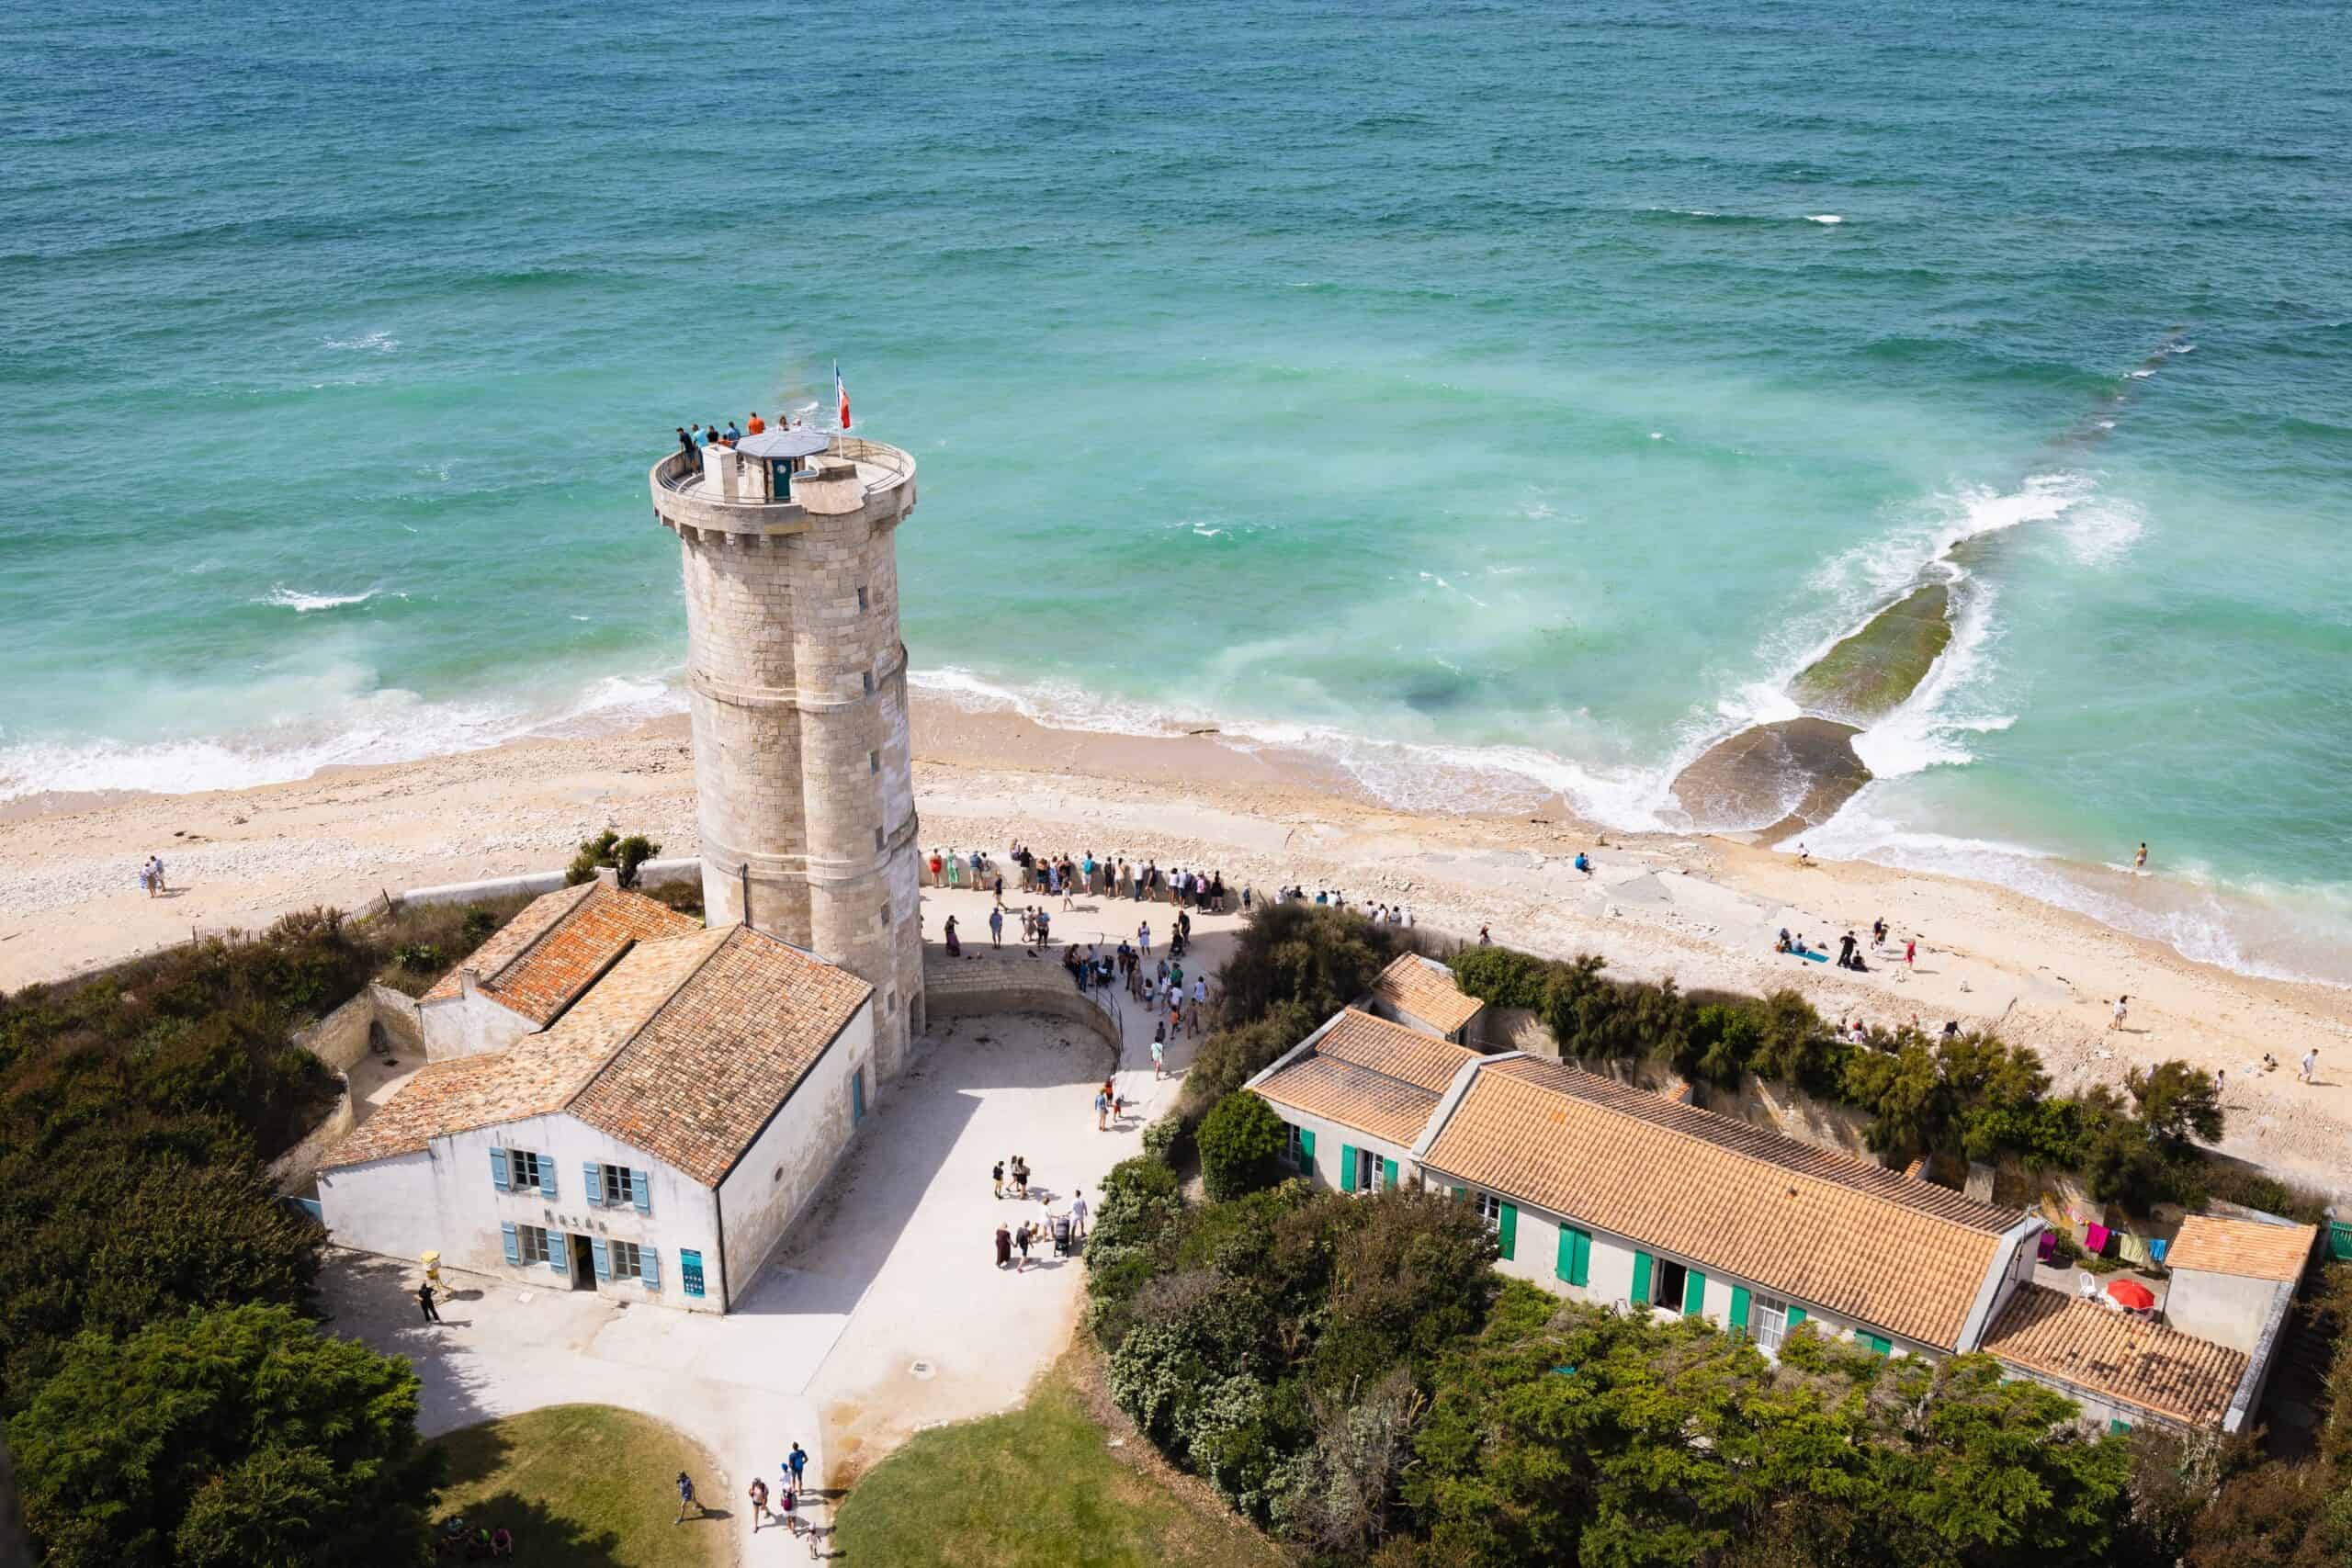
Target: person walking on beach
996	926
686	1499
1003	1246
1485	938
425	1301
996	1178
759	1495
1021	1238
1077	1210
798	1462
2309	1068
1911	953
1158	1051
2121	1006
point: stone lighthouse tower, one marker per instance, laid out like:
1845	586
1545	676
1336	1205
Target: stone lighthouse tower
799	684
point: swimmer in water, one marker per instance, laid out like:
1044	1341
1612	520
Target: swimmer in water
2139	861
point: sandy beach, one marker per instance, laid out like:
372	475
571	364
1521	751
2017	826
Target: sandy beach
1701	909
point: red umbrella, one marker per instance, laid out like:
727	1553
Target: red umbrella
2131	1293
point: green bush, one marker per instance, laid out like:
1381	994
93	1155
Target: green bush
1164	1140
1242	1143
624	856
1232	1056
1501	977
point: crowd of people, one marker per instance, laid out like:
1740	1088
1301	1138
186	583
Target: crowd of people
1850	947
692	438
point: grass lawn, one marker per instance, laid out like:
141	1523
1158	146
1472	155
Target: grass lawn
1039	1486
588	1487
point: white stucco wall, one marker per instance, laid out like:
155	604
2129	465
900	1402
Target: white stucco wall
466	1026
386	1205
792	1155
1330	1137
2228	1309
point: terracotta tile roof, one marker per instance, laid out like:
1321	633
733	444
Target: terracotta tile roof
1391	1048
1353	1097
698	1082
2247	1247
2126	1358
1425	988
684	1048
1830	1231
538	961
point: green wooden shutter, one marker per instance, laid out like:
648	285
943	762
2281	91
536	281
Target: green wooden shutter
1642	1266
1564	1266
649	1266
1346	1169
1876	1342
546	1177
1461	1192
1582	1262
1796	1315
1306	1148
2117	1428
1739	1311
559	1253
604	1257
498	1169
594	1177
514	1244
1694	1293
1507	1229
1388	1174
641	1187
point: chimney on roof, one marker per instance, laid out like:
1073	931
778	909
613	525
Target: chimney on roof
469	982
609	876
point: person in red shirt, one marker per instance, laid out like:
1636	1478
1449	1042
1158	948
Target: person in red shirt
753	425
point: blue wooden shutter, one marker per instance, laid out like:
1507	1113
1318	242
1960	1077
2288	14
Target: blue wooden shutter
1388	1174
649	1266
1694	1293
604	1257
498	1169
546	1177
1641	1267
559	1252
641	1186
594	1177
690	1270
513	1245
1346	1169
1507	1229
1739	1311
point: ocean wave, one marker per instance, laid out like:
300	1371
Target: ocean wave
335	716
1823	217
372	343
302	604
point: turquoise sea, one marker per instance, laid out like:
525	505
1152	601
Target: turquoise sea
1498	398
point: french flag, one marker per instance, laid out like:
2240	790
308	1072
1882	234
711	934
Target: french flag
841	393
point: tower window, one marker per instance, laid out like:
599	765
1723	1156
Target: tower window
860	600
885	916
869	682
873	762
878	837
890	1004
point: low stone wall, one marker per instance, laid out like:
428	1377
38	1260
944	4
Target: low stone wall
292	1171
396	1015
977	986
652	874
1515	1029
340	1039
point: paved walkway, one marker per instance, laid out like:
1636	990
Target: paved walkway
883	1314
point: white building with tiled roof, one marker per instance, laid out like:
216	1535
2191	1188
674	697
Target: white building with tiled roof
1421	993
683	1101
1605	1193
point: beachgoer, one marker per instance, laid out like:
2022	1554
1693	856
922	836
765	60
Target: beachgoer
686	444
799	1462
754	425
996	1178
1804	857
1911	953
954	948
996	926
1077	1210
425	1301
1102	1111
686	1499
2221	1076
1003	1246
759	1492
1158	1051
2311	1065
2117	1021
2139	861
1584	862
1485	938
1142	939
1021	1238
734	433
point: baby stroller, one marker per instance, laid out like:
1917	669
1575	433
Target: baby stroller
1062	1247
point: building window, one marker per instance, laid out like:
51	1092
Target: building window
520	1170
878	837
618	1187
533	1242
873	762
860	600
1669	1283
690	1270
1490	1209
523	1168
890	1003
869	682
628	1260
1294	1146
884	916
1367	1170
1768	1320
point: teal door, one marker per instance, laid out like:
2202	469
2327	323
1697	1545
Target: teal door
857	1096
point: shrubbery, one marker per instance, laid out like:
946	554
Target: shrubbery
1241	1145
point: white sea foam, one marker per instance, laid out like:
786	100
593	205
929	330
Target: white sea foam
2101	532
302	604
2143	374
372	343
1823	217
